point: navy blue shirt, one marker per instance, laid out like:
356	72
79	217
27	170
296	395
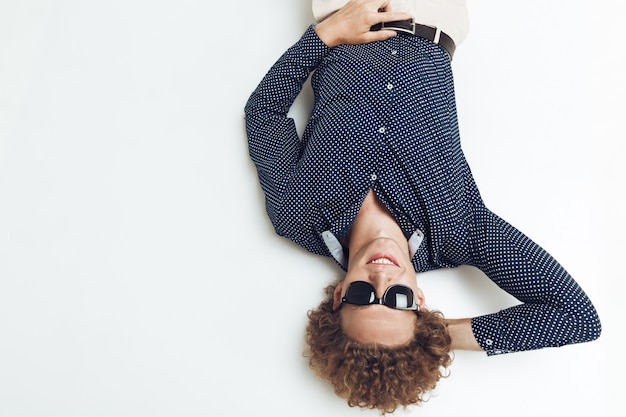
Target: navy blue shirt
384	119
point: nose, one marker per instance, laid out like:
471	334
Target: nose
380	280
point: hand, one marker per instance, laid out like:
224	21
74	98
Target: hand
461	334
351	24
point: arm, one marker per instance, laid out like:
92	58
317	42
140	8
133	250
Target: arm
554	310
273	141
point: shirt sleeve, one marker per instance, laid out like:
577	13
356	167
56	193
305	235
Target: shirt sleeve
554	310
273	142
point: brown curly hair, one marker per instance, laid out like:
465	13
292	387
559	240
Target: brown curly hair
376	376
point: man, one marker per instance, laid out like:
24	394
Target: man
380	183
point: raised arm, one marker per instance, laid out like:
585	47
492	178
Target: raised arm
273	141
554	310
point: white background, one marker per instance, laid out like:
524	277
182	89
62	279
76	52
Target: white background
139	274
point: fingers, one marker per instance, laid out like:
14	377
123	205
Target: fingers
379	35
352	23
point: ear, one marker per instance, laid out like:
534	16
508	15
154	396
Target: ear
421	300
337	296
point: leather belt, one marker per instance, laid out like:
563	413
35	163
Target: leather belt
428	32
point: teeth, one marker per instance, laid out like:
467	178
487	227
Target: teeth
384	261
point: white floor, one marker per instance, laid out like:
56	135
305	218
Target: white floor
140	276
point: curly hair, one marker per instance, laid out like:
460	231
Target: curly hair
376	376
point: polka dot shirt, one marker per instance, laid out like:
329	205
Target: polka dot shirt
384	119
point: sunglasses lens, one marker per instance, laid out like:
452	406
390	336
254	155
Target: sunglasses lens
399	297
360	293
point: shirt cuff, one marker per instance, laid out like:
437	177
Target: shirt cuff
489	334
311	48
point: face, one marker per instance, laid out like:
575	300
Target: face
381	262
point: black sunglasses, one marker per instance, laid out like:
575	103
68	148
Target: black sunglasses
397	296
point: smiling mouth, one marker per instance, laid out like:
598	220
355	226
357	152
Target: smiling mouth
382	260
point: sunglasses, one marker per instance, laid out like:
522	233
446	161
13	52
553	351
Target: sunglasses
397	296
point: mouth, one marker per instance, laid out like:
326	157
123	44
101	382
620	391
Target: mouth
382	260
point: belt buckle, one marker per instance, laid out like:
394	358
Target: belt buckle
436	35
407	26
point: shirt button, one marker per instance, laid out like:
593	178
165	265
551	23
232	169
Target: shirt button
394	52
489	342
389	86
373	177
381	130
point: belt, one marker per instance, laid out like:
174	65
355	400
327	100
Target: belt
428	32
